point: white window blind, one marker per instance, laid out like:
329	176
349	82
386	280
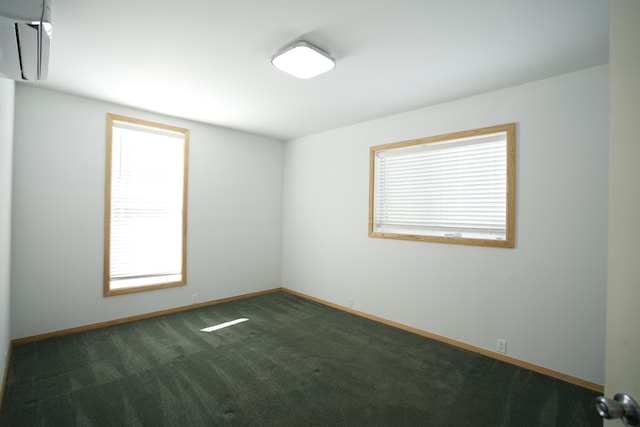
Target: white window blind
452	188
146	205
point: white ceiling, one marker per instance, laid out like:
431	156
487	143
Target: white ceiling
209	60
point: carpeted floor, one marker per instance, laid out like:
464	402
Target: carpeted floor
293	363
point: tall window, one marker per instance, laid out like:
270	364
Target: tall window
145	205
454	188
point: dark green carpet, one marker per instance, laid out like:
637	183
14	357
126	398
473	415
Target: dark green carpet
294	363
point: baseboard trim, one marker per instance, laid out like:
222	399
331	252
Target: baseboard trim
39	337
517	362
6	373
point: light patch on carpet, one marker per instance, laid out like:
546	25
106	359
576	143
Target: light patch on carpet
223	325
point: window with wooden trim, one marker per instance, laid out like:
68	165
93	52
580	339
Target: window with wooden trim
145	205
453	188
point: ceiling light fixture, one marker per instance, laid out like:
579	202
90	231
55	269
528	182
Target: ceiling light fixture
303	60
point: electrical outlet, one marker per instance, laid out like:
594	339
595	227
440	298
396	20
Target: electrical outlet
501	347
194	298
5	355
350	302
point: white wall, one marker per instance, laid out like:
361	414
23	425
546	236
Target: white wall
234	214
7	92
546	296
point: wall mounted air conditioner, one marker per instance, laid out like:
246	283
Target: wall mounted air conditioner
25	39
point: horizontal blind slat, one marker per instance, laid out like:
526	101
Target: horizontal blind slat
461	187
146	202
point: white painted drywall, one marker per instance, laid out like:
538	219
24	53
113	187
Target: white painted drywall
622	373
234	214
545	297
7	92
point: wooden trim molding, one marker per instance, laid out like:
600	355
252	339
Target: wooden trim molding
6	373
517	362
112	119
44	336
509	130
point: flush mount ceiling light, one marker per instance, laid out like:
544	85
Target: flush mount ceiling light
303	60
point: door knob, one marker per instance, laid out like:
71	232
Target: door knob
622	406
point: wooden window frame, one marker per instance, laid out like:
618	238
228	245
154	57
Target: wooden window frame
507	242
107	288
